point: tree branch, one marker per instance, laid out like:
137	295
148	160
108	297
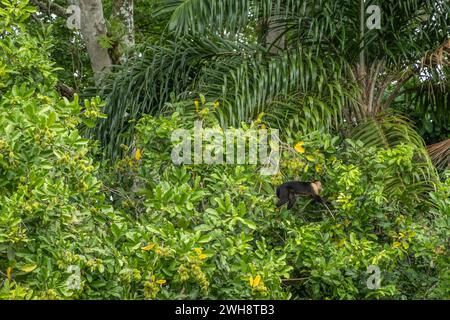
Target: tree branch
394	94
434	57
50	8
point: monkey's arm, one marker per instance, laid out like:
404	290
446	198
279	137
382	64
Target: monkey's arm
291	200
283	195
318	198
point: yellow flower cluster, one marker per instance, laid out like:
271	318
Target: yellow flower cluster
299	147
137	154
200	253
148	247
197	105
257	284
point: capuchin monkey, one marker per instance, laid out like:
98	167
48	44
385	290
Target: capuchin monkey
288	190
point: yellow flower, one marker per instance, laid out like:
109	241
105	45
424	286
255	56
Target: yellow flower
255	282
148	247
138	155
196	103
299	147
202	256
198	250
161	281
318	168
216	104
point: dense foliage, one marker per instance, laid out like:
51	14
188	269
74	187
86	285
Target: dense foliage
73	226
291	59
222	219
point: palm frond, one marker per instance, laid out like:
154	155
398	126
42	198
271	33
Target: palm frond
210	48
440	154
390	130
197	16
387	131
257	84
162	72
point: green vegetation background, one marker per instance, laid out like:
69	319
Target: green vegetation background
141	227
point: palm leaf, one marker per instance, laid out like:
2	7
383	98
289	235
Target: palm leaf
440	154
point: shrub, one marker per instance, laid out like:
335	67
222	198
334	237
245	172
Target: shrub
212	230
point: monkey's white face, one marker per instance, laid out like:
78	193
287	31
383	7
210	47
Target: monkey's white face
318	185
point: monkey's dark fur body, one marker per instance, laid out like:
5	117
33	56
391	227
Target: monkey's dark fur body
288	191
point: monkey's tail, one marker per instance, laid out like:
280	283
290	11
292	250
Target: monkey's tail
331	213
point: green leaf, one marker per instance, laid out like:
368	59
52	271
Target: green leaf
28	267
205	238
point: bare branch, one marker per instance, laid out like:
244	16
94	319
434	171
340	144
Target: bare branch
50	8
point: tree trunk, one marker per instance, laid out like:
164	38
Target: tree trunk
123	10
275	39
93	27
